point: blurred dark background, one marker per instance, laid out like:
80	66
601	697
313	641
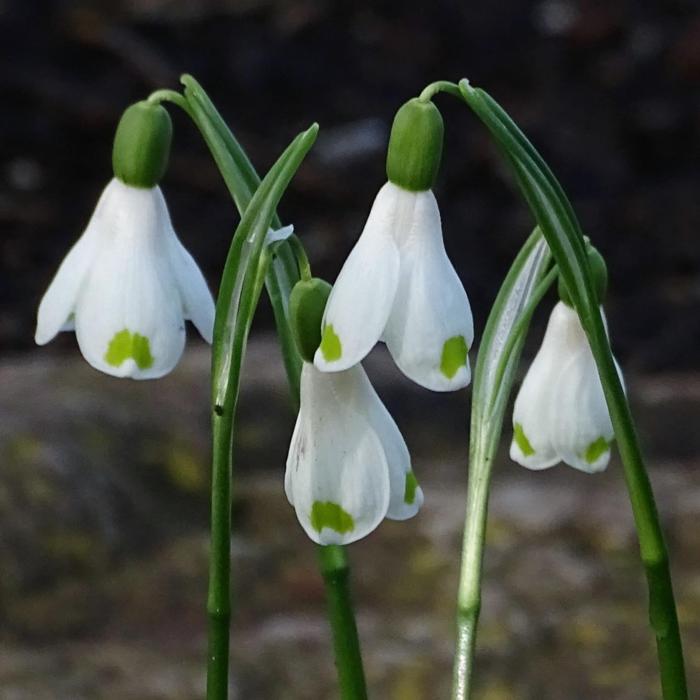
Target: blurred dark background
103	483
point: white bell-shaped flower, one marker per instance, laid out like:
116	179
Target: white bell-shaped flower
560	414
348	466
399	286
126	288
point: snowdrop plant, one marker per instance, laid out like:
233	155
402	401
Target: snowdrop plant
398	285
127	285
348	466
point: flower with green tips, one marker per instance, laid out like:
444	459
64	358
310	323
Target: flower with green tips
348	466
126	288
560	413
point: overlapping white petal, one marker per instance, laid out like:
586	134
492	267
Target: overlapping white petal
560	413
126	288
363	295
398	285
348	466
430	328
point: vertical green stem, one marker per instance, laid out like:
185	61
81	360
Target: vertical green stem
283	270
662	607
469	593
219	596
346	644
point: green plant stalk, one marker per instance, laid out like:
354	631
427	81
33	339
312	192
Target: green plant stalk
282	269
554	214
236	303
497	361
346	644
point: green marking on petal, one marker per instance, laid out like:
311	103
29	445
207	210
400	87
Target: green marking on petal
521	440
331	347
596	450
409	492
331	515
454	355
125	345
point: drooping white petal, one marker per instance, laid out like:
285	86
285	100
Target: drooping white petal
197	301
430	328
363	294
582	430
337	471
58	303
406	496
128	317
533	418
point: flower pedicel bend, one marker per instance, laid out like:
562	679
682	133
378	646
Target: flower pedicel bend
348	466
398	284
127	285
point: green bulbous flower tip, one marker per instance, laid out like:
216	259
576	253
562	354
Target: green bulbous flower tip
142	145
599	269
415	146
307	302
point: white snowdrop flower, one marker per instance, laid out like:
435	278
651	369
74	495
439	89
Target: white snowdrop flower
127	285
398	285
560	414
348	465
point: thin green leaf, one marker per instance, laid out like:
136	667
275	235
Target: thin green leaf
497	362
240	286
242	180
555	217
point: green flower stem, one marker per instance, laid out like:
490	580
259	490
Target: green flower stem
282	268
238	297
504	335
439	86
555	216
336	575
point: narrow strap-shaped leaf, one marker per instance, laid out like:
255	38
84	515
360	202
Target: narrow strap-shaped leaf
238	297
239	283
242	181
499	354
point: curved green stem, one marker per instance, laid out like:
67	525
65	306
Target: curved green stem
281	270
557	220
170	96
439	86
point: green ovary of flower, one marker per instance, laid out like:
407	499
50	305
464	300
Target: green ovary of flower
521	441
596	450
331	347
331	515
125	345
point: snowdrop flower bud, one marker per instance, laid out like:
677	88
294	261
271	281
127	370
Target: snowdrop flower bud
560	413
398	284
127	285
348	465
